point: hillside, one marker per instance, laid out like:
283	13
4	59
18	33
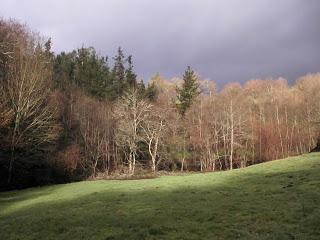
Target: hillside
274	200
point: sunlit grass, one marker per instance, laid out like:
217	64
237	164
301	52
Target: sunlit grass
275	200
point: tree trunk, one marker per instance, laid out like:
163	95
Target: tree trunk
279	130
133	162
184	151
182	164
130	163
232	136
10	171
153	164
95	167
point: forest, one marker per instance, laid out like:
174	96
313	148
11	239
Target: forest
78	115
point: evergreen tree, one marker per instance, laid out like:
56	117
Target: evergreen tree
100	76
64	70
119	73
86	69
83	68
47	46
188	91
48	53
151	92
141	89
107	80
131	77
91	72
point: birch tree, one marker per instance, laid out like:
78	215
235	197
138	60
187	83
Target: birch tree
154	130
25	92
131	112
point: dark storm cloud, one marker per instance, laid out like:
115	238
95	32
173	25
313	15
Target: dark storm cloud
232	40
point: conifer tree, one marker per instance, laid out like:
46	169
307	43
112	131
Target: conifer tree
187	92
119	72
151	92
131	77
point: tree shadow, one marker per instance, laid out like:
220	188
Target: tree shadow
267	205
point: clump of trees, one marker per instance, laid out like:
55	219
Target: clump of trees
77	115
29	120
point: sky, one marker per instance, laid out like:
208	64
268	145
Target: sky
222	40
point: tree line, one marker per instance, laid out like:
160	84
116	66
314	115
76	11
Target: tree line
77	115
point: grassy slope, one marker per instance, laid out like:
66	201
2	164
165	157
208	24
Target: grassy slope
275	200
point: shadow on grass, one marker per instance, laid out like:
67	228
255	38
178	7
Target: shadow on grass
17	196
274	205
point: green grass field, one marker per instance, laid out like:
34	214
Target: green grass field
274	200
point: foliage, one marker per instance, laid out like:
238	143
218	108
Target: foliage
188	91
76	115
87	70
25	95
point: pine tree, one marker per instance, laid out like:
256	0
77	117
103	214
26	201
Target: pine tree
131	77
118	72
47	46
188	92
141	88
64	70
91	72
151	92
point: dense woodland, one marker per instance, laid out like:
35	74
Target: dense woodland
77	115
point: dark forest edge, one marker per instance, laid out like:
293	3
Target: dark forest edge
76	115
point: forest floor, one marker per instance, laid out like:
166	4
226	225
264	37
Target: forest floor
274	200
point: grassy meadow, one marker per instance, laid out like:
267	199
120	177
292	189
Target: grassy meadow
274	200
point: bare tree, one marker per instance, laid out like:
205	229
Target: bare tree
154	130
25	92
131	112
95	124
6	114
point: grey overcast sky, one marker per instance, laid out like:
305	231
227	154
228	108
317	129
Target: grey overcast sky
223	40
